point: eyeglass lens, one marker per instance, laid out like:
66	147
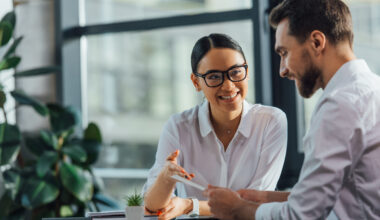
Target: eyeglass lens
216	78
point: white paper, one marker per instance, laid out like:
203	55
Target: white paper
188	182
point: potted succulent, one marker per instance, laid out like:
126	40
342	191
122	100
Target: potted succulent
134	209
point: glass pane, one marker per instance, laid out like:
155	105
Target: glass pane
366	22
135	81
105	11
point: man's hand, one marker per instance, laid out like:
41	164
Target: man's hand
263	196
253	195
176	207
227	204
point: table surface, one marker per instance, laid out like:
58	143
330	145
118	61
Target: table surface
122	218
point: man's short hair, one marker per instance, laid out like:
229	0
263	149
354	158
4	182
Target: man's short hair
332	17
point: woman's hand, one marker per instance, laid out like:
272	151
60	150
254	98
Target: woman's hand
177	206
171	168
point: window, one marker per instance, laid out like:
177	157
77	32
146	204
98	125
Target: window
104	11
135	81
130	61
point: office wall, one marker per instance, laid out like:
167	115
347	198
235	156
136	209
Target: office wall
35	21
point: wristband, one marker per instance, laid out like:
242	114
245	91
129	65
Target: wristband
195	211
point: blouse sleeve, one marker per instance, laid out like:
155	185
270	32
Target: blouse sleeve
167	144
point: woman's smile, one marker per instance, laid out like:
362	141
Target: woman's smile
230	97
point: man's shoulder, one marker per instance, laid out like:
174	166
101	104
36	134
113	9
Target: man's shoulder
357	91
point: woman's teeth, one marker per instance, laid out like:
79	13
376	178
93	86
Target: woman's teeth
229	97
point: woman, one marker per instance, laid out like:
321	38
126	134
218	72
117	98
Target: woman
224	141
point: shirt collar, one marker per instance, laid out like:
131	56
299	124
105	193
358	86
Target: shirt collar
205	122
345	72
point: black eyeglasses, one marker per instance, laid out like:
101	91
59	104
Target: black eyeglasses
215	78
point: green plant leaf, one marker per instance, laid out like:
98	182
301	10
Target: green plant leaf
3	99
63	118
45	162
75	152
10	139
66	211
77	181
10	17
5	204
134	200
13	47
38	71
92	149
50	139
35	144
24	99
92	133
37	192
6	31
12	182
9	62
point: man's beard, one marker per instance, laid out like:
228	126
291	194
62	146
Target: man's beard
307	82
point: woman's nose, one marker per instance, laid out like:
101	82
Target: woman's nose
227	83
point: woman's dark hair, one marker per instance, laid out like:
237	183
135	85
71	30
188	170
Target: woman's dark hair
332	17
206	43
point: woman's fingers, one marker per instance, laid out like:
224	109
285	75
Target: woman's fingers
173	156
178	170
174	169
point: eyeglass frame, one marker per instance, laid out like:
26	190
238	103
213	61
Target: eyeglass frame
224	73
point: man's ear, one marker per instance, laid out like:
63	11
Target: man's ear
195	81
317	41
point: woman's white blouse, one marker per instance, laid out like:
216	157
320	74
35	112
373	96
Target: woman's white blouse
253	159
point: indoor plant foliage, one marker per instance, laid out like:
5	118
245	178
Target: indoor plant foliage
134	200
134	209
55	179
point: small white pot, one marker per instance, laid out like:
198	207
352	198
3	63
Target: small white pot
134	212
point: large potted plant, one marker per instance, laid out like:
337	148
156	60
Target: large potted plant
52	175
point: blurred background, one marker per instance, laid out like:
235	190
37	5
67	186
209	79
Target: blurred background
126	66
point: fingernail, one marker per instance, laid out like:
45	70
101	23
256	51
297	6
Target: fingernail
159	212
182	171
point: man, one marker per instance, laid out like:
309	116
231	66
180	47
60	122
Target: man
340	177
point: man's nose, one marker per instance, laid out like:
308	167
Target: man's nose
283	70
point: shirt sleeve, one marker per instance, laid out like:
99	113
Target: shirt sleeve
327	164
167	144
273	151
